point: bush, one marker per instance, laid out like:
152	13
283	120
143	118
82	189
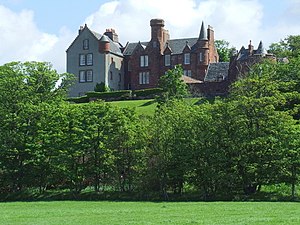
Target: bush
151	92
115	95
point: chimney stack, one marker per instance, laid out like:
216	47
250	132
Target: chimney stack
111	33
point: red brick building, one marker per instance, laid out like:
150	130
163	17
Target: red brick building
145	62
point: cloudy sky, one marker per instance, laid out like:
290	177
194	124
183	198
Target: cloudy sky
42	30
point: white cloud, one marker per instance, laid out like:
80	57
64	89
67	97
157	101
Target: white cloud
234	20
23	41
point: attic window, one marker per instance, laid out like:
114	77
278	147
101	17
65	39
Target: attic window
144	60
167	60
86	44
187	58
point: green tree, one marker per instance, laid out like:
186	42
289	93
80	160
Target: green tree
224	51
288	47
173	85
24	87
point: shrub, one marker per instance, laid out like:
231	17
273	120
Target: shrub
83	99
115	95
151	92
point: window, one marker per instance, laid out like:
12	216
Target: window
144	77
111	75
89	76
167	60
201	57
187	73
187	58
82	60
89	59
86	60
85	76
85	44
144	60
120	77
81	76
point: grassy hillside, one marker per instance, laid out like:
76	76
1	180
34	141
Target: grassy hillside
145	107
140	213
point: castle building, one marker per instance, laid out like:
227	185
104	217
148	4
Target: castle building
94	58
145	62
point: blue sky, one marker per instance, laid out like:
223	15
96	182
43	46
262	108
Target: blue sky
43	29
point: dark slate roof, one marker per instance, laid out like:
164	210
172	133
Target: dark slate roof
261	49
114	46
203	35
176	45
217	72
129	48
243	54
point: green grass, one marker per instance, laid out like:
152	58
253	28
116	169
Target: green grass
145	107
139	213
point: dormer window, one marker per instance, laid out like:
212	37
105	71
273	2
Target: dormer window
86	44
167	60
144	61
187	58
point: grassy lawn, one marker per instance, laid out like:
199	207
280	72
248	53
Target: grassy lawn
68	212
145	107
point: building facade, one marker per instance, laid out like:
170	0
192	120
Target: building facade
146	62
95	58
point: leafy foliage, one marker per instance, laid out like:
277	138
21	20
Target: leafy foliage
101	87
172	84
224	51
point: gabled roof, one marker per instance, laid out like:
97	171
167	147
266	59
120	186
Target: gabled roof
115	47
176	45
244	53
217	71
129	48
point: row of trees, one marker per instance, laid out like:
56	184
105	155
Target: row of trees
220	147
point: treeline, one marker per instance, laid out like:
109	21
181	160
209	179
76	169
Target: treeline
218	148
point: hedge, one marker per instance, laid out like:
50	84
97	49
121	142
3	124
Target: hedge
83	99
150	92
110	95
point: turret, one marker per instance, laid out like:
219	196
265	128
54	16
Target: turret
261	50
104	44
202	40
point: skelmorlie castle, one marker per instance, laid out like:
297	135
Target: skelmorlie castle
94	58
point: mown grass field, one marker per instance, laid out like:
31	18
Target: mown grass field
145	107
139	213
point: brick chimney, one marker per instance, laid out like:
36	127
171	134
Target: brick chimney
250	48
158	33
111	33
